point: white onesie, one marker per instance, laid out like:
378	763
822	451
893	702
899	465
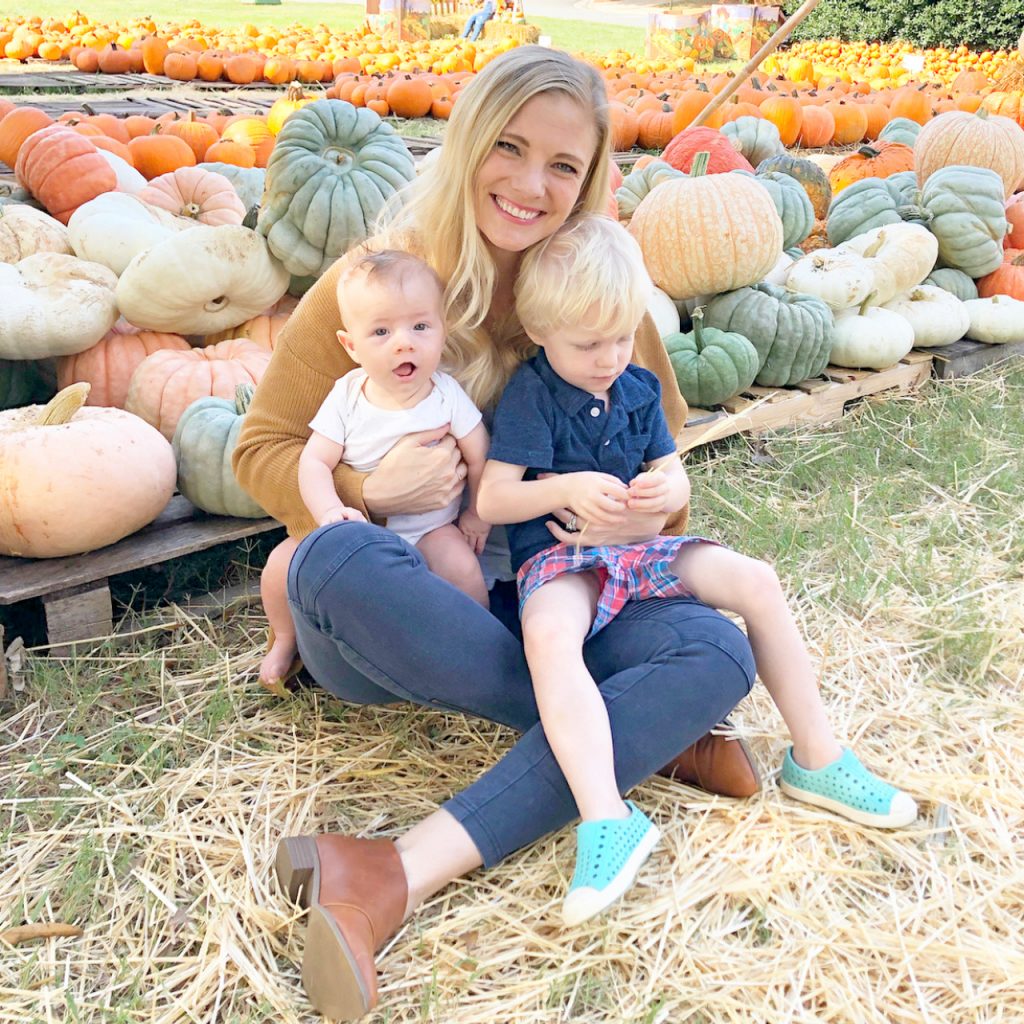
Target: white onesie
369	432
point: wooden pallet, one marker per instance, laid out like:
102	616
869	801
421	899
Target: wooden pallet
818	400
964	357
75	591
72	81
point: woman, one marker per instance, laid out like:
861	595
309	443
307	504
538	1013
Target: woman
526	148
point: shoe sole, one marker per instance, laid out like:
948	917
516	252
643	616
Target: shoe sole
587	906
861	817
330	974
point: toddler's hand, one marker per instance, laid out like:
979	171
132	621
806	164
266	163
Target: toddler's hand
597	498
648	492
475	530
342	513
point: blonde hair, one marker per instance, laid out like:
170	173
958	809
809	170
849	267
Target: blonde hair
590	272
438	208
386	266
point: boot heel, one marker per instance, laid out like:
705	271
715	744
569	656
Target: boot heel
296	864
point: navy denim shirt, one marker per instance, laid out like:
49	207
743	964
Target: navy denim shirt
548	425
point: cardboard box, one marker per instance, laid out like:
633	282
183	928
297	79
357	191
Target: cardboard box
717	32
399	19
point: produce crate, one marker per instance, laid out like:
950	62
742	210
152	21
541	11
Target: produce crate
74	590
964	357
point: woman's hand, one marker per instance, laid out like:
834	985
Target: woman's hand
423	472
631	529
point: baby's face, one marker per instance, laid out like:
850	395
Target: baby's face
395	330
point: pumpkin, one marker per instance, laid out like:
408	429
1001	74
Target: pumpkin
636	185
52	304
204	442
201	281
86	477
663	312
812	179
167	382
154	53
851	122
254	133
877	161
1007	279
203	196
723	151
791	332
128	179
654	129
956	282
246	181
711	365
998	320
242	69
872	203
870	338
625	126
198	135
792	205
107	366
262	329
900	129
63	170
758	138
936	316
706	234
968	217
22	383
16	127
237	154
1015	218
340	160
160	153
976	140
840	279
900	257
786	113
25	231
409	96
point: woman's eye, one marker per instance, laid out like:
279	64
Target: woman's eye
566	168
509	147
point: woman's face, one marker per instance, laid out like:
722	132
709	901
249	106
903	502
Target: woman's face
530	182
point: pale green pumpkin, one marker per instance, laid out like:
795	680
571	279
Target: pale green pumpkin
900	129
711	365
758	138
637	184
791	202
956	282
246	181
872	203
204	441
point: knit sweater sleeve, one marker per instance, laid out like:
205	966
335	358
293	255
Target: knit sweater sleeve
649	352
307	360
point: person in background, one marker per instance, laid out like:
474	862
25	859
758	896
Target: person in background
475	22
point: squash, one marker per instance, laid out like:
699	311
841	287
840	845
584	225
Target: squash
812	178
262	329
711	365
86	477
876	161
900	129
638	183
204	442
901	256
707	234
873	202
200	281
723	152
203	196
791	203
52	305
956	282
295	98
344	163
870	338
998	320
25	231
840	279
1015	217
128	179
783	265
663	312
167	382
758	138
1007	279
22	383
107	366
246	181
936	316
976	140
791	332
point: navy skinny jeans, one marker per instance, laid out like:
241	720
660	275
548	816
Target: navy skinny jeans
375	626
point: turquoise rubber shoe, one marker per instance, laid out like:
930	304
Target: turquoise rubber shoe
848	788
609	853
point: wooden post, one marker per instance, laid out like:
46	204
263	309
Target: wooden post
781	35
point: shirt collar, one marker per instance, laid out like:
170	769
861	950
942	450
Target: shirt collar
627	393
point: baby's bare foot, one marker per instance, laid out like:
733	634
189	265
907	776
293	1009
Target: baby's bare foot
275	664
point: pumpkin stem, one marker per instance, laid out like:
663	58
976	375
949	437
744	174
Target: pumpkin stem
295	92
867	302
699	167
63	406
868	152
243	398
981	112
697	316
251	217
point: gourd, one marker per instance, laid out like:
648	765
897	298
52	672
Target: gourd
956	282
791	203
332	169
872	203
880	160
723	152
262	329
638	183
1006	279
870	337
840	279
663	312
52	305
203	442
758	138
202	196
812	178
128	179
900	129
998	320
25	231
711	365
900	256
779	273
935	316
166	383
200	281
707	234
791	332
86	476
246	181
1015	217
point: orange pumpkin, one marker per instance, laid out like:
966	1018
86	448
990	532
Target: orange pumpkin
182	67
138	124
875	161
154	53
159	153
1015	215
210	66
816	127
786	113
114	60
253	132
16	127
409	96
655	127
1007	279
199	135
242	69
227	152
851	121
625	126
912	102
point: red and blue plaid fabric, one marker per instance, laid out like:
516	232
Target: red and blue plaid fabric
628	572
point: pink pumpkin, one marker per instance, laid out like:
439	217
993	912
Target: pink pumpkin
262	329
195	193
723	151
1015	215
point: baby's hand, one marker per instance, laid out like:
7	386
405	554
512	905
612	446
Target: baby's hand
648	492
340	514
475	530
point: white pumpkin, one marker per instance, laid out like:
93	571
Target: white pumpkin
938	317
901	256
201	281
663	312
780	272
24	231
870	338
114	228
128	179
998	320
840	279
54	305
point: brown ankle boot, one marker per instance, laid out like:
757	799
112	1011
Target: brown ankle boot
356	893
717	764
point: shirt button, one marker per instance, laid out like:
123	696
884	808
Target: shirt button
595	411
607	443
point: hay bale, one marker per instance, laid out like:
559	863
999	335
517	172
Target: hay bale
496	31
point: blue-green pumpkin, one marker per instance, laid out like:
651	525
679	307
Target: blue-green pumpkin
203	443
873	203
333	168
956	282
246	181
711	365
792	203
758	138
22	382
791	332
637	184
900	129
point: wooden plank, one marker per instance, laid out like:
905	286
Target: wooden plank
79	613
965	357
